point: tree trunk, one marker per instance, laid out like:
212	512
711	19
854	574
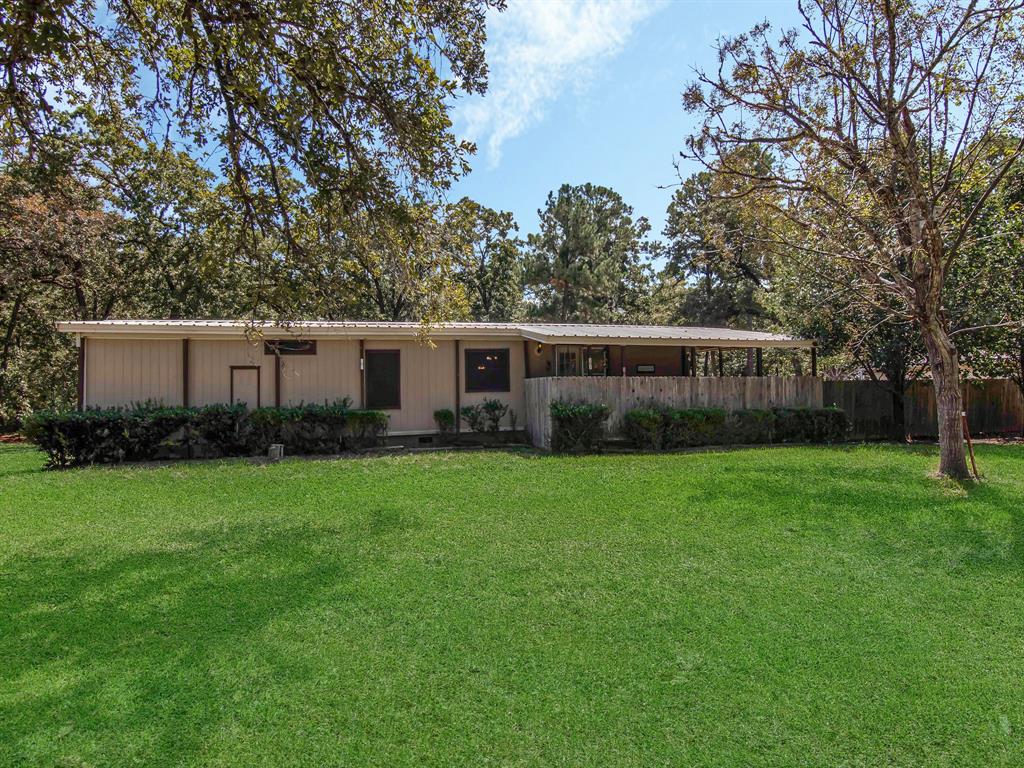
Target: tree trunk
945	367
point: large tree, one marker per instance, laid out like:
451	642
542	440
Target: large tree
988	281
880	112
296	103
491	261
856	338
587	263
397	264
715	249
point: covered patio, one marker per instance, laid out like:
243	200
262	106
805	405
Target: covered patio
556	349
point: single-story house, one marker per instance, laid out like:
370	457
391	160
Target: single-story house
406	369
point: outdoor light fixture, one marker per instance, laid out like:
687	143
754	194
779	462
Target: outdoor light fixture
540	347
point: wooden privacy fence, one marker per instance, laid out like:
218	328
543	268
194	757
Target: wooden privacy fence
623	393
994	406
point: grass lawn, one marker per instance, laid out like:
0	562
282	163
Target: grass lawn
794	606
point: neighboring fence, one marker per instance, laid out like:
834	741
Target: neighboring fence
994	406
622	393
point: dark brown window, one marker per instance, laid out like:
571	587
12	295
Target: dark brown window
383	378
289	347
487	370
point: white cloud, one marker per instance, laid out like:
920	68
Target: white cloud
535	50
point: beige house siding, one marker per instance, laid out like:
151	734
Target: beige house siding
516	398
540	360
210	370
329	375
125	371
428	382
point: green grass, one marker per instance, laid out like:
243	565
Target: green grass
794	606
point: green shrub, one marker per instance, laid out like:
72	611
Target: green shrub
368	428
494	411
645	427
810	425
694	426
474	416
659	428
148	432
445	420
578	427
217	430
749	426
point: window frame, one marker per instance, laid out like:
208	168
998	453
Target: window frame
367	354
501	352
280	347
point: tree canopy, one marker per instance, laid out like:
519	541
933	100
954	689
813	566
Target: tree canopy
586	264
881	115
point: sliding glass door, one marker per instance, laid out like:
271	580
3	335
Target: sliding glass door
581	361
567	361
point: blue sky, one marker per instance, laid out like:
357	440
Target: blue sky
590	90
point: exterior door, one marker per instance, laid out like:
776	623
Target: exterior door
567	361
595	361
245	385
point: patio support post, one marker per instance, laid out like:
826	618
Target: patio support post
721	365
760	362
814	359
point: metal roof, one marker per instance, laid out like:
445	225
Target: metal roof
553	333
579	333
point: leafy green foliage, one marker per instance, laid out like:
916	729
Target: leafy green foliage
644	427
494	411
474	417
491	264
143	433
578	427
667	429
809	425
719	261
586	263
342	100
485	417
445	420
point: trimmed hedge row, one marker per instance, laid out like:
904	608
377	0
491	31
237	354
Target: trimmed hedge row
667	429
578	427
145	433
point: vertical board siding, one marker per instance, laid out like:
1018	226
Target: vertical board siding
624	393
427	384
994	406
211	369
120	372
516	396
330	375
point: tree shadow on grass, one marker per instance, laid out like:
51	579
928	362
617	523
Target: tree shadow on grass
139	657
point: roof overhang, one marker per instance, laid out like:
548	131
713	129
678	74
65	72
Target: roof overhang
229	329
574	334
662	336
